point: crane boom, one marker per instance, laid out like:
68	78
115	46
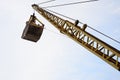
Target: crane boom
101	49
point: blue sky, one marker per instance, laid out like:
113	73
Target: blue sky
55	56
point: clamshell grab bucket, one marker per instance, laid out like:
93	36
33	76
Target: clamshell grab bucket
32	31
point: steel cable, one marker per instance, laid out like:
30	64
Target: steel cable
87	26
69	4
45	2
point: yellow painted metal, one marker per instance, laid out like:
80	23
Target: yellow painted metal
87	40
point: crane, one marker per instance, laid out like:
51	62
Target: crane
79	34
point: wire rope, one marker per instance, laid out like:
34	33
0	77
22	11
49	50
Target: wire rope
69	4
45	2
54	32
87	26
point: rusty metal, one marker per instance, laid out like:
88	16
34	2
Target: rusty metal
32	31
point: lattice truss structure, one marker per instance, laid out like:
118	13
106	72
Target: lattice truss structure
87	40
